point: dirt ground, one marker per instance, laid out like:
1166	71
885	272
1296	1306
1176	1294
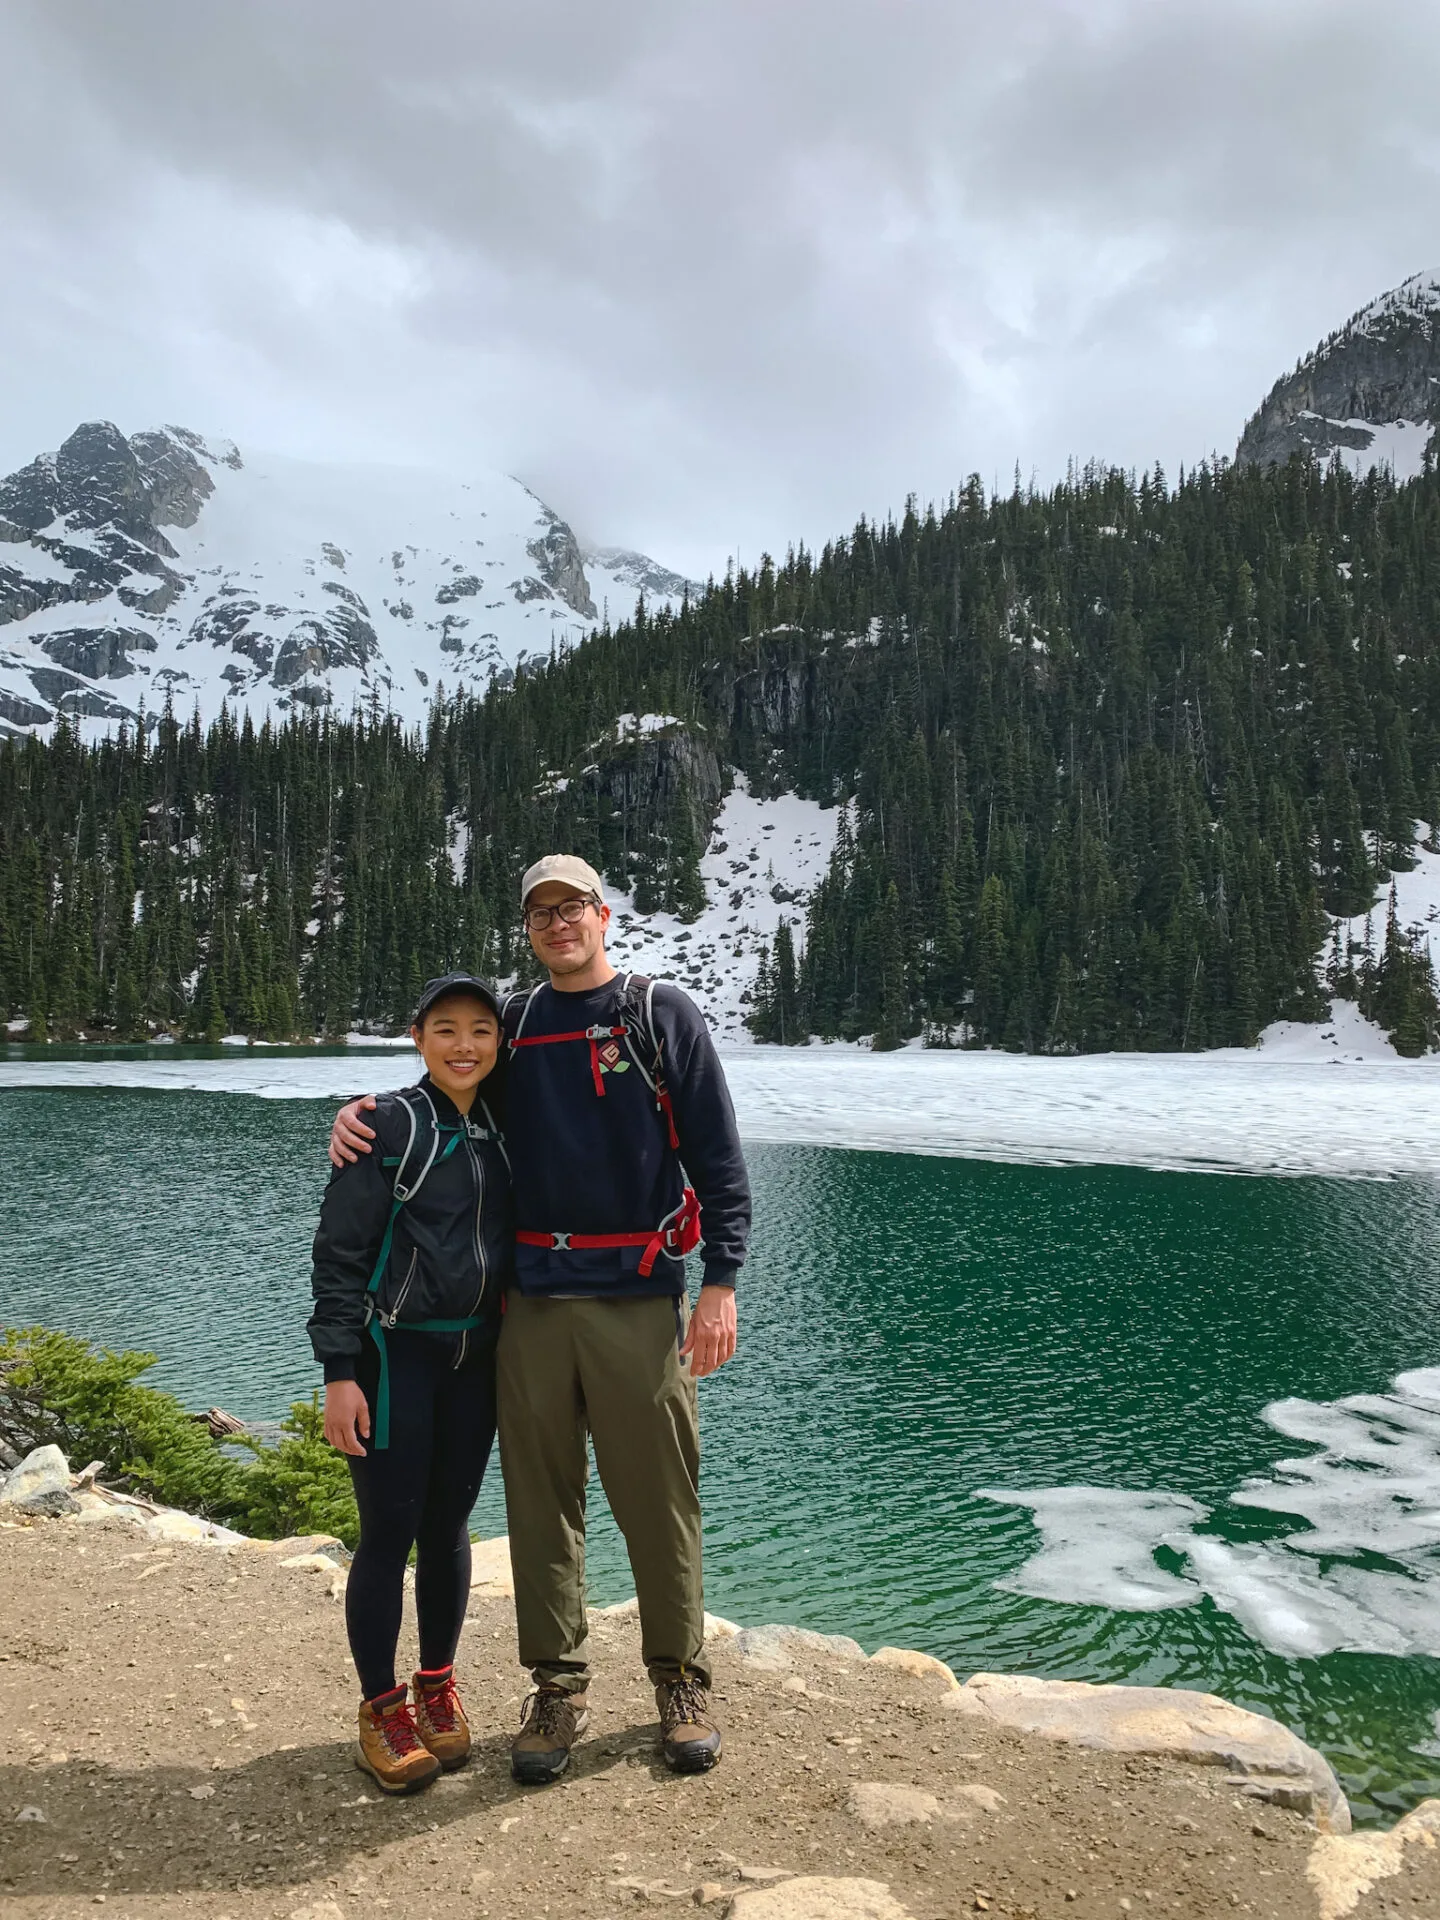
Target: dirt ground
184	1721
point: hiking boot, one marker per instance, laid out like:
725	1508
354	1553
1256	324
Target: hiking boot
553	1721
440	1719
689	1738
391	1751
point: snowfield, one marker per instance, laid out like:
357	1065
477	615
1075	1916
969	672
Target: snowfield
303	584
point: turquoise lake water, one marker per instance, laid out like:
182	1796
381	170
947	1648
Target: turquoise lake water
912	1330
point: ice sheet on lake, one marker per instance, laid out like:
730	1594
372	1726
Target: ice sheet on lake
1100	1546
1228	1112
1372	1494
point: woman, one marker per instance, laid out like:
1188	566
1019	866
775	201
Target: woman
411	1259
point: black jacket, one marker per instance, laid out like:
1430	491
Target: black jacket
591	1164
452	1249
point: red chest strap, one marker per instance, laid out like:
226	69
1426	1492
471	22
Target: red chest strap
593	1034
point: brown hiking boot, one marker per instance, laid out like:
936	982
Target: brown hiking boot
689	1738
390	1749
553	1721
440	1719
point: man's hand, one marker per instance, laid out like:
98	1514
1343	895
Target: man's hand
711	1339
350	1136
347	1417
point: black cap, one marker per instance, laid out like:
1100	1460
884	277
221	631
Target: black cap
455	983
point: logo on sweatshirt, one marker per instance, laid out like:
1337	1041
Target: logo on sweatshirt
610	1061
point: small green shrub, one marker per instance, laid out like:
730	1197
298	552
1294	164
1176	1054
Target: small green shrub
89	1402
300	1486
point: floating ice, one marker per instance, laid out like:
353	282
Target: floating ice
1280	1600
1371	1493
1375	1487
1099	1546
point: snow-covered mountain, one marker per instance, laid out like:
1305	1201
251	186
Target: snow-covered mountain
1369	394
163	566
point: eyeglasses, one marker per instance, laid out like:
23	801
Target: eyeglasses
536	919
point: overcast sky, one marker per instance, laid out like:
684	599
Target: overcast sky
707	276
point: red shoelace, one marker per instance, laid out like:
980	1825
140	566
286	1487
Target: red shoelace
397	1728
440	1704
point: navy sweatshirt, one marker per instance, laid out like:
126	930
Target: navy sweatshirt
587	1164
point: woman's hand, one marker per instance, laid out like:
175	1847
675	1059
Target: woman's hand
347	1416
350	1136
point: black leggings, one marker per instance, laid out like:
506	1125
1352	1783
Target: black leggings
418	1492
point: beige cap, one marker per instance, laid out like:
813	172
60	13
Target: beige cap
568	868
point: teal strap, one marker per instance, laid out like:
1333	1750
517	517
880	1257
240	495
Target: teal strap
377	1325
381	1437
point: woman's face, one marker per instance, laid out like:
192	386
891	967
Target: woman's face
458	1042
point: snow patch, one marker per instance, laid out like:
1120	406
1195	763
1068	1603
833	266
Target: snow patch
763	862
1398	445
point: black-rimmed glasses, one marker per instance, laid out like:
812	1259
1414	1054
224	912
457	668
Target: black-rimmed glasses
536	919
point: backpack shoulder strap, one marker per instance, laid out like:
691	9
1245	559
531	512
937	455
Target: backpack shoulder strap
516	1010
401	1190
637	1014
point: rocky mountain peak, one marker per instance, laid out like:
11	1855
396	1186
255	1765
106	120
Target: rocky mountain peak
162	567
1369	392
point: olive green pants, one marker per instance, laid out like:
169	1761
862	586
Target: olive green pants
609	1369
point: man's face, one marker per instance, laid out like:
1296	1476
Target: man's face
561	947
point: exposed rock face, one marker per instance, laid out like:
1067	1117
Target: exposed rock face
100	479
641	780
556	554
1379	372
637	570
100	653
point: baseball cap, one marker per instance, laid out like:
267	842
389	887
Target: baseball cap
434	990
566	867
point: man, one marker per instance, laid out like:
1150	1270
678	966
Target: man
615	1095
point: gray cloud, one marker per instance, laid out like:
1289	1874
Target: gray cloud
706	276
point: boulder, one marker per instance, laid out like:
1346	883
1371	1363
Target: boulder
986	1798
1171	1722
819	1897
924	1666
169	1524
490	1572
1343	1867
295	1544
878	1803
774	1648
40	1486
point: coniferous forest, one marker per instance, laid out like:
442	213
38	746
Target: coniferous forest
1111	755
